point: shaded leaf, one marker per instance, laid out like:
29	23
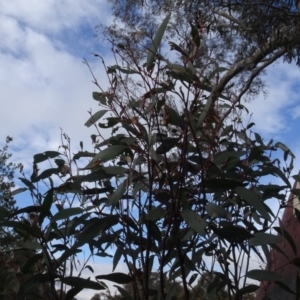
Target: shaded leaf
40	157
119	278
45	174
107	154
118	194
66	213
95	117
156	43
195	221
195	35
113	69
83	283
28	183
216	211
288	237
262	238
46	206
254	200
285	149
261	275
232	233
117	256
155	214
166	145
251	288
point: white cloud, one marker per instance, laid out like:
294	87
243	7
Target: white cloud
270	114
54	16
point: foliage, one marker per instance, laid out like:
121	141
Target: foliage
231	34
175	185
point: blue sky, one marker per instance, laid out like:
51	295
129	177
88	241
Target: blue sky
45	86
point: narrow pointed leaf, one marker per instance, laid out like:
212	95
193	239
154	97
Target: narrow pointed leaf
117	195
95	117
83	283
261	275
254	200
119	278
107	154
40	157
262	238
46	206
156	42
195	221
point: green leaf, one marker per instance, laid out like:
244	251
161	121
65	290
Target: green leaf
94	176
284	148
155	214
254	200
33	245
214	72
193	278
113	69
117	256
205	110
73	292
261	275
288	237
119	278
118	194
66	213
40	157
46	206
28	183
95	117
174	118
226	184
94	229
251	288
262	238
115	170
195	221
166	145
216	211
222	157
46	174
90	268
232	233
156	42
83	283
99	97
107	154
17	191
195	35
178	49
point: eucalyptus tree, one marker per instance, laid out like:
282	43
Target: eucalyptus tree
243	36
173	182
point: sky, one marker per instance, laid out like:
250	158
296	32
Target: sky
46	87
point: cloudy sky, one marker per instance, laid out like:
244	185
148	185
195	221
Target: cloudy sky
45	86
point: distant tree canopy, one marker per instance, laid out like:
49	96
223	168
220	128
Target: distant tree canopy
243	36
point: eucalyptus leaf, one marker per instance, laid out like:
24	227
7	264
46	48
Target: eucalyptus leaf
195	221
95	117
156	42
254	200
